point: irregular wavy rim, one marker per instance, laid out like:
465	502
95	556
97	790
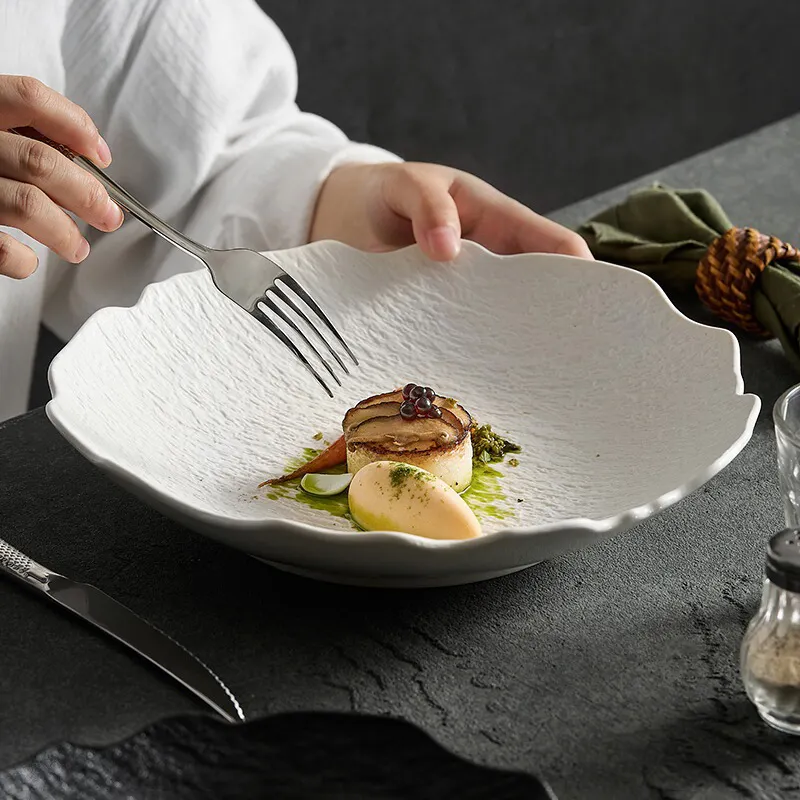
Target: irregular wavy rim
36	762
601	528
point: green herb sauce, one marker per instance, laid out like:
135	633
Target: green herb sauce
336	505
484	495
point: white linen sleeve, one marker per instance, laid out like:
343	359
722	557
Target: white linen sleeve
196	99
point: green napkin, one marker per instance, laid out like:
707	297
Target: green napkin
665	233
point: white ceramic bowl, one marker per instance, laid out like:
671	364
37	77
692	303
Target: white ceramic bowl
621	404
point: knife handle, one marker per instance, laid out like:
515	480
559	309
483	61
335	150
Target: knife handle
18	565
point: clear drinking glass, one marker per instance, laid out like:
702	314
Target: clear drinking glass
786	416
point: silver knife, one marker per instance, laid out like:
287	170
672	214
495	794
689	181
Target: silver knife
112	617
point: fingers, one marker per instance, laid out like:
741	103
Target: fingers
423	196
35	179
443	204
71	187
16	259
537	234
30	210
506	226
27	102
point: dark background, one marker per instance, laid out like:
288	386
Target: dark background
550	100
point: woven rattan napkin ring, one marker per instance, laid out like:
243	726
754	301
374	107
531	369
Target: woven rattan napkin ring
727	274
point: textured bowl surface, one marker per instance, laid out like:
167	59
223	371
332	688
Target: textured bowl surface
621	404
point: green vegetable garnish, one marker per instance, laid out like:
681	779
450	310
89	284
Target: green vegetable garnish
489	447
321	485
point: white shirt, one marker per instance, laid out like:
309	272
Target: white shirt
196	99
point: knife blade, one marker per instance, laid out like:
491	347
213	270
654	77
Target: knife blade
102	611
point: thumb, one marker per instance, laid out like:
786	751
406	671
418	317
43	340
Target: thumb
424	198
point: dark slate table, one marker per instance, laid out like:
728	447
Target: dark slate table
612	672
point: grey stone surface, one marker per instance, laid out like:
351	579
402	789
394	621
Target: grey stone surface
613	672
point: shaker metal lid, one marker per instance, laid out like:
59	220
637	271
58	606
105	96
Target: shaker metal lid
783	559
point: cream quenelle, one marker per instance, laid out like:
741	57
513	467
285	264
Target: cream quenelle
395	496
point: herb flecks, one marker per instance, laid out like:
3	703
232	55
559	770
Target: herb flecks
317	436
489	447
400	473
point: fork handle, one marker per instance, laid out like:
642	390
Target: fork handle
123	198
19	566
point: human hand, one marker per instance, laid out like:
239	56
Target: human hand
37	182
380	207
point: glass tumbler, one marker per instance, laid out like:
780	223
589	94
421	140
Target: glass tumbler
786	416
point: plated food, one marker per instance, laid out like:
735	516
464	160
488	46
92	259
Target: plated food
415	426
409	456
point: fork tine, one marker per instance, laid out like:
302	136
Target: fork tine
310	302
258	314
300	313
273	306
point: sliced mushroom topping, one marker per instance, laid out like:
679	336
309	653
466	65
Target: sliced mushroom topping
451	418
459	411
393	430
386	397
355	416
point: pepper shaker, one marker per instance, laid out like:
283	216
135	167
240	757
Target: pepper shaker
770	653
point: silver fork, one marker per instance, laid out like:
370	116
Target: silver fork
246	277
